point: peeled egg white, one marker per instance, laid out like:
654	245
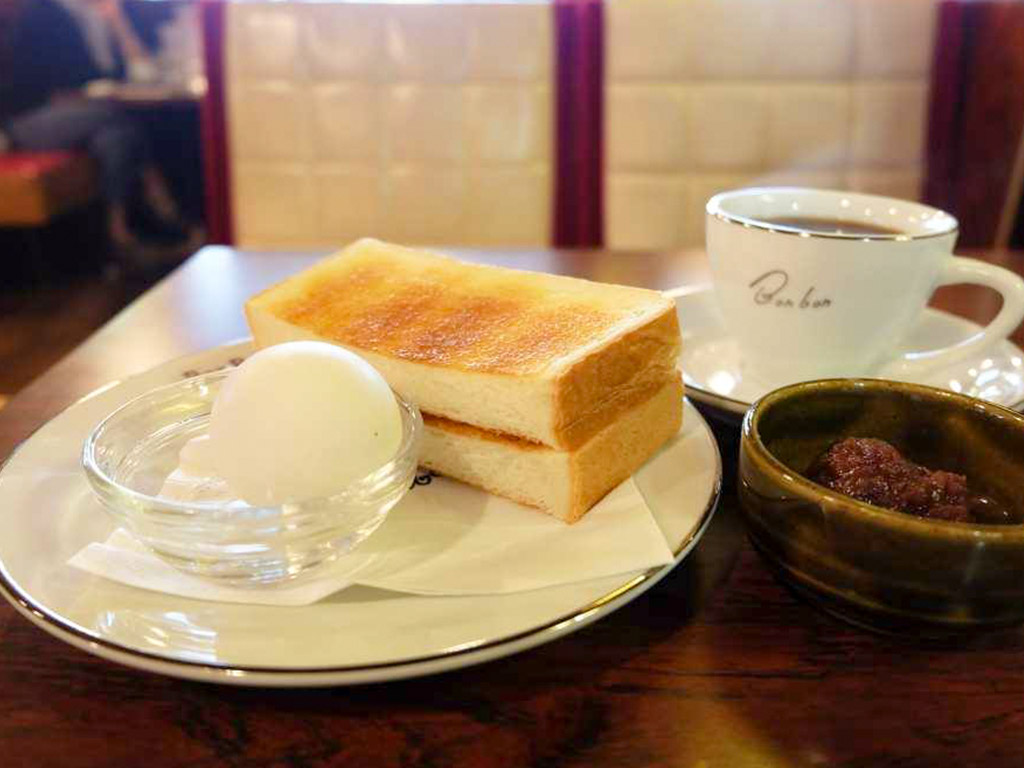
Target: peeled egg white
299	421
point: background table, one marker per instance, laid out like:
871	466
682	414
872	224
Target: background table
716	666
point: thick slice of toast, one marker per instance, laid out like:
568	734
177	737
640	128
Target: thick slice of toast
546	358
565	484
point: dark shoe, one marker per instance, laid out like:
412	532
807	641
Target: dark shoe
144	259
167	233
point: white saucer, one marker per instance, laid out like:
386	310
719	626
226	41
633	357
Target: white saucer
716	376
47	513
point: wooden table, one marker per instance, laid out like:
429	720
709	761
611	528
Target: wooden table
130	94
716	666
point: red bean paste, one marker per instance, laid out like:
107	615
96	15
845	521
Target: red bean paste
874	471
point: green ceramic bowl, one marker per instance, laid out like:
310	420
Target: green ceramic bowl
876	567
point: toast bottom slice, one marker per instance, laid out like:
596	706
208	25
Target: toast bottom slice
564	484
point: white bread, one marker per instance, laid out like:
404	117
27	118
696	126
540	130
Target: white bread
565	484
545	358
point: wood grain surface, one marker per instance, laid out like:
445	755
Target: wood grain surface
718	665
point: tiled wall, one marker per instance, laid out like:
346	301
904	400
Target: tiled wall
433	123
423	123
706	95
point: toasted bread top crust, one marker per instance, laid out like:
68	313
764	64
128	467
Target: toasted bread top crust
430	309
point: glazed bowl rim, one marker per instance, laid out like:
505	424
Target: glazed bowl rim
794	482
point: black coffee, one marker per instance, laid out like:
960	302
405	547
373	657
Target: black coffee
833	226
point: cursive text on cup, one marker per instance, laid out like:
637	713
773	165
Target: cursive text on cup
772	289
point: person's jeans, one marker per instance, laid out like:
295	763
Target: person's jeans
96	127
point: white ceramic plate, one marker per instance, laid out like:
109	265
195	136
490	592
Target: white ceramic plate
716	377
358	635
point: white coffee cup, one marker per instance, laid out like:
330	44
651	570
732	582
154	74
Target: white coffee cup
805	303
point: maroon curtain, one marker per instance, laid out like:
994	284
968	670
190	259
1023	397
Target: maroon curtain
976	113
579	120
213	119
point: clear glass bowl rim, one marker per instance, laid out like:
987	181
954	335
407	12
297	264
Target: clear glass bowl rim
412	428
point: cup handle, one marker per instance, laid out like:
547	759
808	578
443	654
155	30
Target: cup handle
962	270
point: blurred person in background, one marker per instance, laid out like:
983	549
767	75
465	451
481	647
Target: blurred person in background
57	47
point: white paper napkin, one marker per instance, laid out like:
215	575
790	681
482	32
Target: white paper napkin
444	538
124	559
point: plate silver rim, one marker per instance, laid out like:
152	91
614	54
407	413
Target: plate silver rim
448	659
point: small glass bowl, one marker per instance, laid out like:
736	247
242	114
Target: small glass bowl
132	451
